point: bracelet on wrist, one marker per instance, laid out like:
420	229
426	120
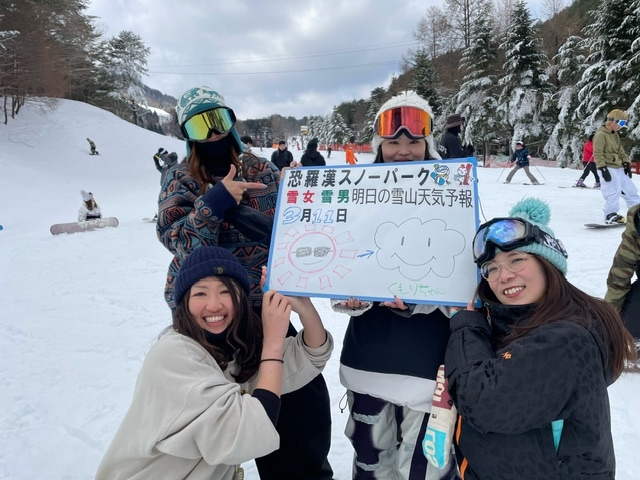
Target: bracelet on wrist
272	360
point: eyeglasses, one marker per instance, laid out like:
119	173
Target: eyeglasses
508	234
415	120
200	127
491	270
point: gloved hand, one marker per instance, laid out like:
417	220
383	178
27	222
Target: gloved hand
438	437
605	174
627	169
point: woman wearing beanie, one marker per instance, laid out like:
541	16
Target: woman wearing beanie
221	197
391	351
450	143
207	396
311	157
529	370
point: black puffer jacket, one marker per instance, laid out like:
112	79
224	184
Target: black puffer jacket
508	398
312	158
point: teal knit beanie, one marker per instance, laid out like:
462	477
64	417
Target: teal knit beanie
197	100
537	212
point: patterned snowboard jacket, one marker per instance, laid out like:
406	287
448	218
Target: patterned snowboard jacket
536	409
187	220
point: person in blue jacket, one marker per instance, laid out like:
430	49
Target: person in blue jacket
521	157
529	370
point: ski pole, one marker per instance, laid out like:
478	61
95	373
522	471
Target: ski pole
538	170
501	173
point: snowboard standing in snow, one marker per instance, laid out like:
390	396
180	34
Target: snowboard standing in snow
76	227
604	225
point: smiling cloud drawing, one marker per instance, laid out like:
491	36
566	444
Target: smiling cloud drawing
415	248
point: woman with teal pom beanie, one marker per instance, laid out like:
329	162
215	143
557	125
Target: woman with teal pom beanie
528	371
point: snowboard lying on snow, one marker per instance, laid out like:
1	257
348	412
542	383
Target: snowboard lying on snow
76	227
604	225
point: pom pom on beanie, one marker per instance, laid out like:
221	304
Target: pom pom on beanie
537	212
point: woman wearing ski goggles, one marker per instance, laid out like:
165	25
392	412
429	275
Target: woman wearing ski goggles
529	370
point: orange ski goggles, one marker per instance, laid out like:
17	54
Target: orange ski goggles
416	121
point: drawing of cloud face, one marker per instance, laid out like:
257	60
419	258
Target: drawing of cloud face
416	248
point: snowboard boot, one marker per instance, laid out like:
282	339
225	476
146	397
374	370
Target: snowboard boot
596	185
580	184
507	182
614	218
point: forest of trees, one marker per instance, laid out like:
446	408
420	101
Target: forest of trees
548	82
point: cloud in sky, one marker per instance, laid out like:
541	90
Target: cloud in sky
269	57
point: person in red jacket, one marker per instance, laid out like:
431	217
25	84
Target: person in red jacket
588	164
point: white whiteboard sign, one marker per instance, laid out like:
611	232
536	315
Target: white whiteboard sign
377	231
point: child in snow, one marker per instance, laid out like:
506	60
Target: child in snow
392	351
521	157
208	394
89	209
529	371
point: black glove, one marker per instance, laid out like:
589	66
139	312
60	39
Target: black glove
252	223
627	169
605	174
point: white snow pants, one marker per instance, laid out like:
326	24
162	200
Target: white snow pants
387	440
611	191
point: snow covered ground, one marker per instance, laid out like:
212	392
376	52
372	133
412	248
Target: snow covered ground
79	311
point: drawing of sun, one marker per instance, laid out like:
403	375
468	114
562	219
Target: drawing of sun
311	255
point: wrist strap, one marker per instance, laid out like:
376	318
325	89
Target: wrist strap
272	360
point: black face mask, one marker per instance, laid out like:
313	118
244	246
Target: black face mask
216	156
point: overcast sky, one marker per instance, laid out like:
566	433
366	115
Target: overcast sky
270	56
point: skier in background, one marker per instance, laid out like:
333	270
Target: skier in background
350	152
168	161
588	164
93	147
613	163
89	210
521	157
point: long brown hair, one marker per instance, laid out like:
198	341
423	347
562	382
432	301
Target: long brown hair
90	204
244	333
564	301
198	169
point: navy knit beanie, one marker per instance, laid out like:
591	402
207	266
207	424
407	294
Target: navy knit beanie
209	262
